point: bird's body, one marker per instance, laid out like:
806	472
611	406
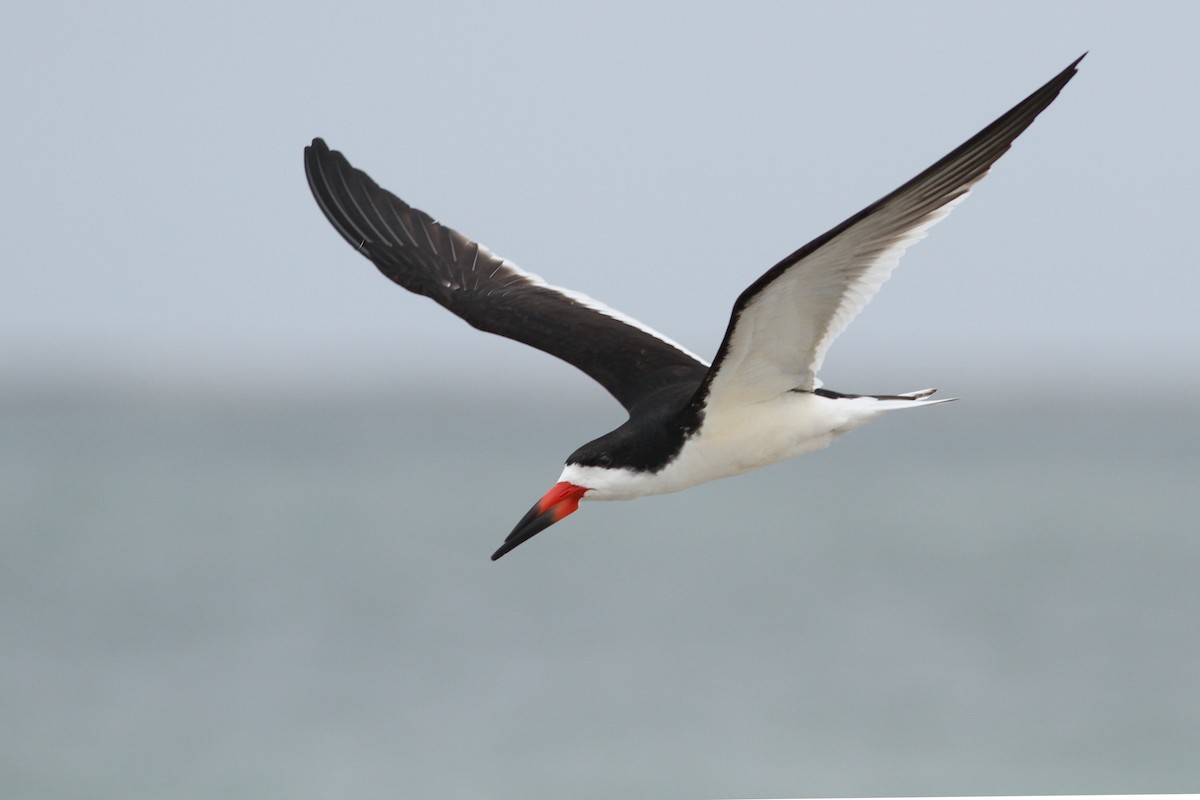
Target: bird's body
758	403
744	438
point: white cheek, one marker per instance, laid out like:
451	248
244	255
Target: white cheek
604	483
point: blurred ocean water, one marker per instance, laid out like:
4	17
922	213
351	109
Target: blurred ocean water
294	600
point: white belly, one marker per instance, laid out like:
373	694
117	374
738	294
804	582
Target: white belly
754	436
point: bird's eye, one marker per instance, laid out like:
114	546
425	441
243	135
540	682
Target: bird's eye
604	459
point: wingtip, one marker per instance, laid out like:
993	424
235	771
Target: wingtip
1067	74
1071	69
1073	66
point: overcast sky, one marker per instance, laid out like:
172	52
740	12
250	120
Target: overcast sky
157	226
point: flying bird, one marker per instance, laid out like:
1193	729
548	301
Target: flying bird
757	403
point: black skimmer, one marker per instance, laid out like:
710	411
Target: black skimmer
759	401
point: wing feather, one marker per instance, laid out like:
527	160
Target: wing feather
408	246
783	324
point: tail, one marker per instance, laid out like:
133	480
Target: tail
888	402
909	399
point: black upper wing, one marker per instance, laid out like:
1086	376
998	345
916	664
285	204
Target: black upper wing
492	294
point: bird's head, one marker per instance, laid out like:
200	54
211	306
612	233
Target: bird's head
613	467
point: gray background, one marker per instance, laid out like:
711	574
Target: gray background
157	225
248	487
